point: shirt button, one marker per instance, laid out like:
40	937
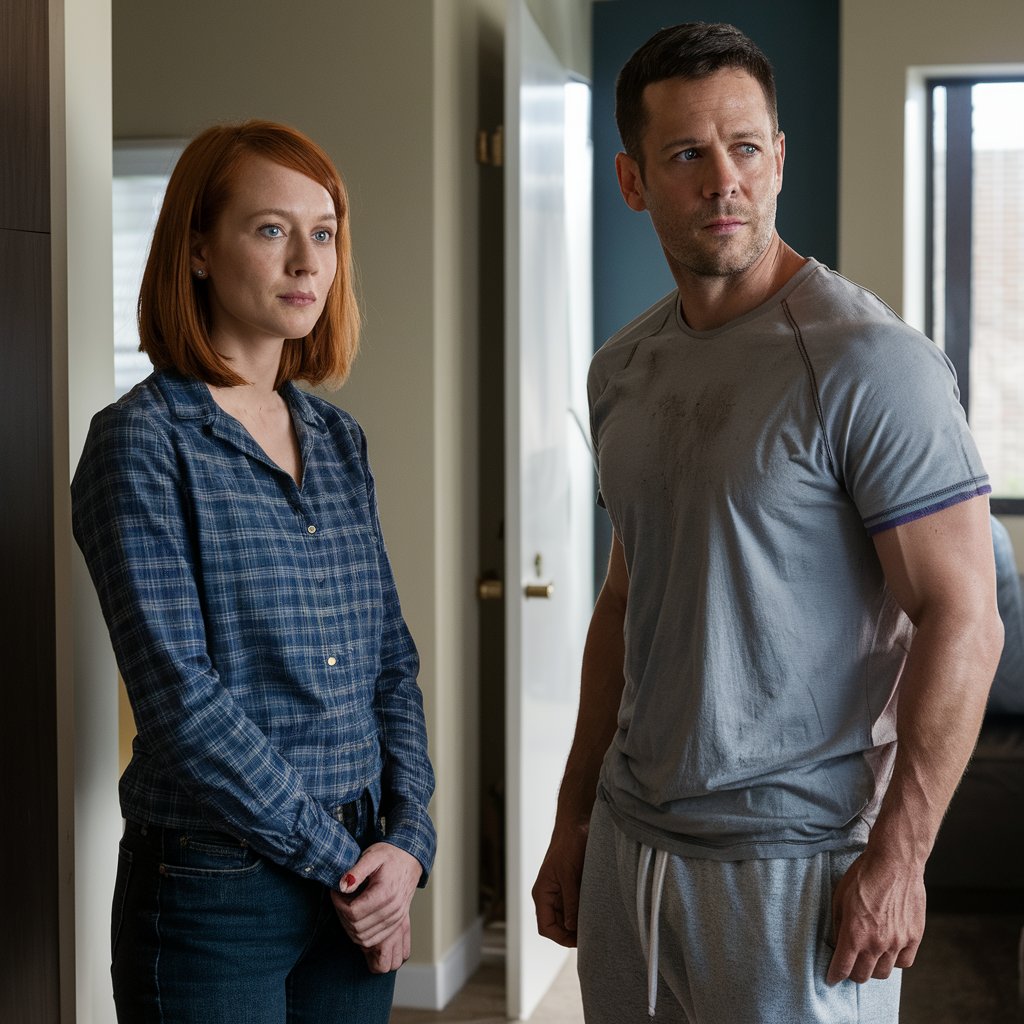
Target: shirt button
332	660
307	871
310	529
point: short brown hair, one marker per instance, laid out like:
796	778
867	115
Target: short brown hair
694	49
174	311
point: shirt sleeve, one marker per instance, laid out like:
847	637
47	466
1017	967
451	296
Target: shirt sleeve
130	518
898	434
407	782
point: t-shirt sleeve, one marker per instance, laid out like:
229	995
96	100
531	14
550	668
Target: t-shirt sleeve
898	435
616	354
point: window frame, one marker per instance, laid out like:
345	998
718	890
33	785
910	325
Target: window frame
958	226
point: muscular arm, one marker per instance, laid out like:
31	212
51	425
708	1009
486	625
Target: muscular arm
556	891
940	570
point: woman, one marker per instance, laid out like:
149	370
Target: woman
276	799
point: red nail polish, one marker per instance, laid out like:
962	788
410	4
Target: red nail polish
350	880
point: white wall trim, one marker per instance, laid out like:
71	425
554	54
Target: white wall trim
433	986
80	95
914	193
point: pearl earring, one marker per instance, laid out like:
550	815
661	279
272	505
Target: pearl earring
199	272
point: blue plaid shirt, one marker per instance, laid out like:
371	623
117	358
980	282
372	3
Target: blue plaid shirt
256	625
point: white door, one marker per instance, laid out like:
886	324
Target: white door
548	476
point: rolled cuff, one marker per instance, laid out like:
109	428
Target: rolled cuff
408	826
324	850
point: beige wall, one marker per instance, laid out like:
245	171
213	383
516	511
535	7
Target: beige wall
567	26
389	89
881	39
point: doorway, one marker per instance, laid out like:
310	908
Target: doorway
535	510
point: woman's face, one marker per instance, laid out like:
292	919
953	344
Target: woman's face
270	259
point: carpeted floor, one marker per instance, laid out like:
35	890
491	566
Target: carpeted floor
967	971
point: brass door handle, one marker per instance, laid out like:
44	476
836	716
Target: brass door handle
489	590
544	590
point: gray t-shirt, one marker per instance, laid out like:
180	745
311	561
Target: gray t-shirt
744	470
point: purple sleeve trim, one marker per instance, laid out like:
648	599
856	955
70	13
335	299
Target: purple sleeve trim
930	509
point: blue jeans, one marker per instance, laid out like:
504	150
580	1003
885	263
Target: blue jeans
204	931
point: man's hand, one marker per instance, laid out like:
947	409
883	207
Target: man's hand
556	893
878	909
381	909
392	952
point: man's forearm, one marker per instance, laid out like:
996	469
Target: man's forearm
940	570
942	695
600	695
879	906
556	892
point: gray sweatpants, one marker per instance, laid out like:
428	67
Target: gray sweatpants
741	942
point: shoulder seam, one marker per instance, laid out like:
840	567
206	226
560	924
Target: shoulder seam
816	396
644	337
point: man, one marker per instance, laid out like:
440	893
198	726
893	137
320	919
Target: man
794	496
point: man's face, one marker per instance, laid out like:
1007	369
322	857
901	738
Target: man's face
712	172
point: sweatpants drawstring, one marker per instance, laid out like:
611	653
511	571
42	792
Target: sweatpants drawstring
649	930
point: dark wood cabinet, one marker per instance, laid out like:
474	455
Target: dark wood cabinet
29	938
24	116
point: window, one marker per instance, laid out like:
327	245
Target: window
975	262
141	171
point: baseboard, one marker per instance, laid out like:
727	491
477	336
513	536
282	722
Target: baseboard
433	986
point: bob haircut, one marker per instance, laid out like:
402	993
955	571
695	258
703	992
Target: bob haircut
694	49
174	308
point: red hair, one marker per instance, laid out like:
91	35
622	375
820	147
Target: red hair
174	312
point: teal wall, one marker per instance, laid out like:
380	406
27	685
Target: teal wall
801	38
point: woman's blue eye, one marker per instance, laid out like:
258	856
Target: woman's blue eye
323	235
271	231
